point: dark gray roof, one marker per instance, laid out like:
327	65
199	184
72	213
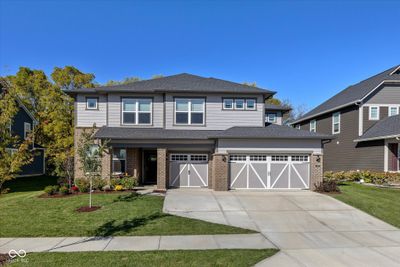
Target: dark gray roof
177	83
386	128
352	94
277	107
151	133
270	131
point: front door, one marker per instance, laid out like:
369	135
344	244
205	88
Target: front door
394	157
150	166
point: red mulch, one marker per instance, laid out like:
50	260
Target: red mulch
4	258
79	193
88	209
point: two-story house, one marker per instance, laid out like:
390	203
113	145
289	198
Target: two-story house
190	131
22	125
276	114
364	119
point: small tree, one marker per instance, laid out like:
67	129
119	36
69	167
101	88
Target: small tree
90	154
14	153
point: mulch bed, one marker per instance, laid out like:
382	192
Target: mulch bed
79	193
4	258
88	209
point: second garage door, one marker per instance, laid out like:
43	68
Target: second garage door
269	171
188	170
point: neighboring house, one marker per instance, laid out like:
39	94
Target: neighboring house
365	122
22	125
189	131
276	114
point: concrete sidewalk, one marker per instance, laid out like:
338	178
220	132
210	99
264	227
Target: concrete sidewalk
135	243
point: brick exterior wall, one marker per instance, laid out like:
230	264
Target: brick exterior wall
210	171
162	169
106	166
134	162
316	168
220	177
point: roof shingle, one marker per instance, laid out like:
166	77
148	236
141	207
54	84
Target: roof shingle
386	128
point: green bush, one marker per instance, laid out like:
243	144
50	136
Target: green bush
327	186
51	189
115	181
64	190
128	182
83	184
366	176
98	183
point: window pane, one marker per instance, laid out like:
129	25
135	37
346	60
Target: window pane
182	117
228	103
91	103
336	127
393	111
182	105
251	104
129	118
336	118
197	104
144	118
271	117
197	118
239	103
144	104
119	153
119	166
129	104
374	112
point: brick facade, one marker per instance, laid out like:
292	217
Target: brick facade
220	176
134	163
210	171
162	169
317	172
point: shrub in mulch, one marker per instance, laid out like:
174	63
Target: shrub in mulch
327	186
4	258
79	193
88	209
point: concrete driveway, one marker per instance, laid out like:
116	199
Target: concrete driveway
310	229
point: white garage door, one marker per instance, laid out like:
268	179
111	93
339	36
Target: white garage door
188	170
269	171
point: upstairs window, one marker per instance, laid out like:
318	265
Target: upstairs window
91	103
271	117
239	103
228	103
27	129
136	111
189	111
336	123
374	113
313	126
250	104
393	111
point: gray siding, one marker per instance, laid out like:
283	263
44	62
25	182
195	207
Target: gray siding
115	109
86	118
389	94
367	123
342	154
216	118
279	119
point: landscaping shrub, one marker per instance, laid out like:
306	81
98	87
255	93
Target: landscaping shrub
114	182
83	184
75	189
327	186
51	189
119	188
64	190
98	183
366	176
128	182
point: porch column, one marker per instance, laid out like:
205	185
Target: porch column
317	172
162	169
220	175
106	166
133	163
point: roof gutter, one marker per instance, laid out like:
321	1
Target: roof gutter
376	138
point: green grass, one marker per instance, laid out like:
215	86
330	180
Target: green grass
204	258
23	214
382	203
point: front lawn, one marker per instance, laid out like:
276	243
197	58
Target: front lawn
23	214
233	257
382	203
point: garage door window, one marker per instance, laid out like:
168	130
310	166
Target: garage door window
258	157
279	158
179	157
237	158
300	158
199	158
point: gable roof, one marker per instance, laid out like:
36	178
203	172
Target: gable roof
353	94
386	128
177	83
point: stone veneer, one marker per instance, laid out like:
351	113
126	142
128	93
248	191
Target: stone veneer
162	169
220	177
317	172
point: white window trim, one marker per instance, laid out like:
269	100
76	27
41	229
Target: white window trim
189	111
118	159
255	103
298	127
136	111
397	112
313	126
87	103
223	103
333	122
370	113
27	124
272	121
244	103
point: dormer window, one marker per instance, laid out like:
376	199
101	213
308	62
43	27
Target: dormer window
374	113
313	126
91	103
271	117
27	129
